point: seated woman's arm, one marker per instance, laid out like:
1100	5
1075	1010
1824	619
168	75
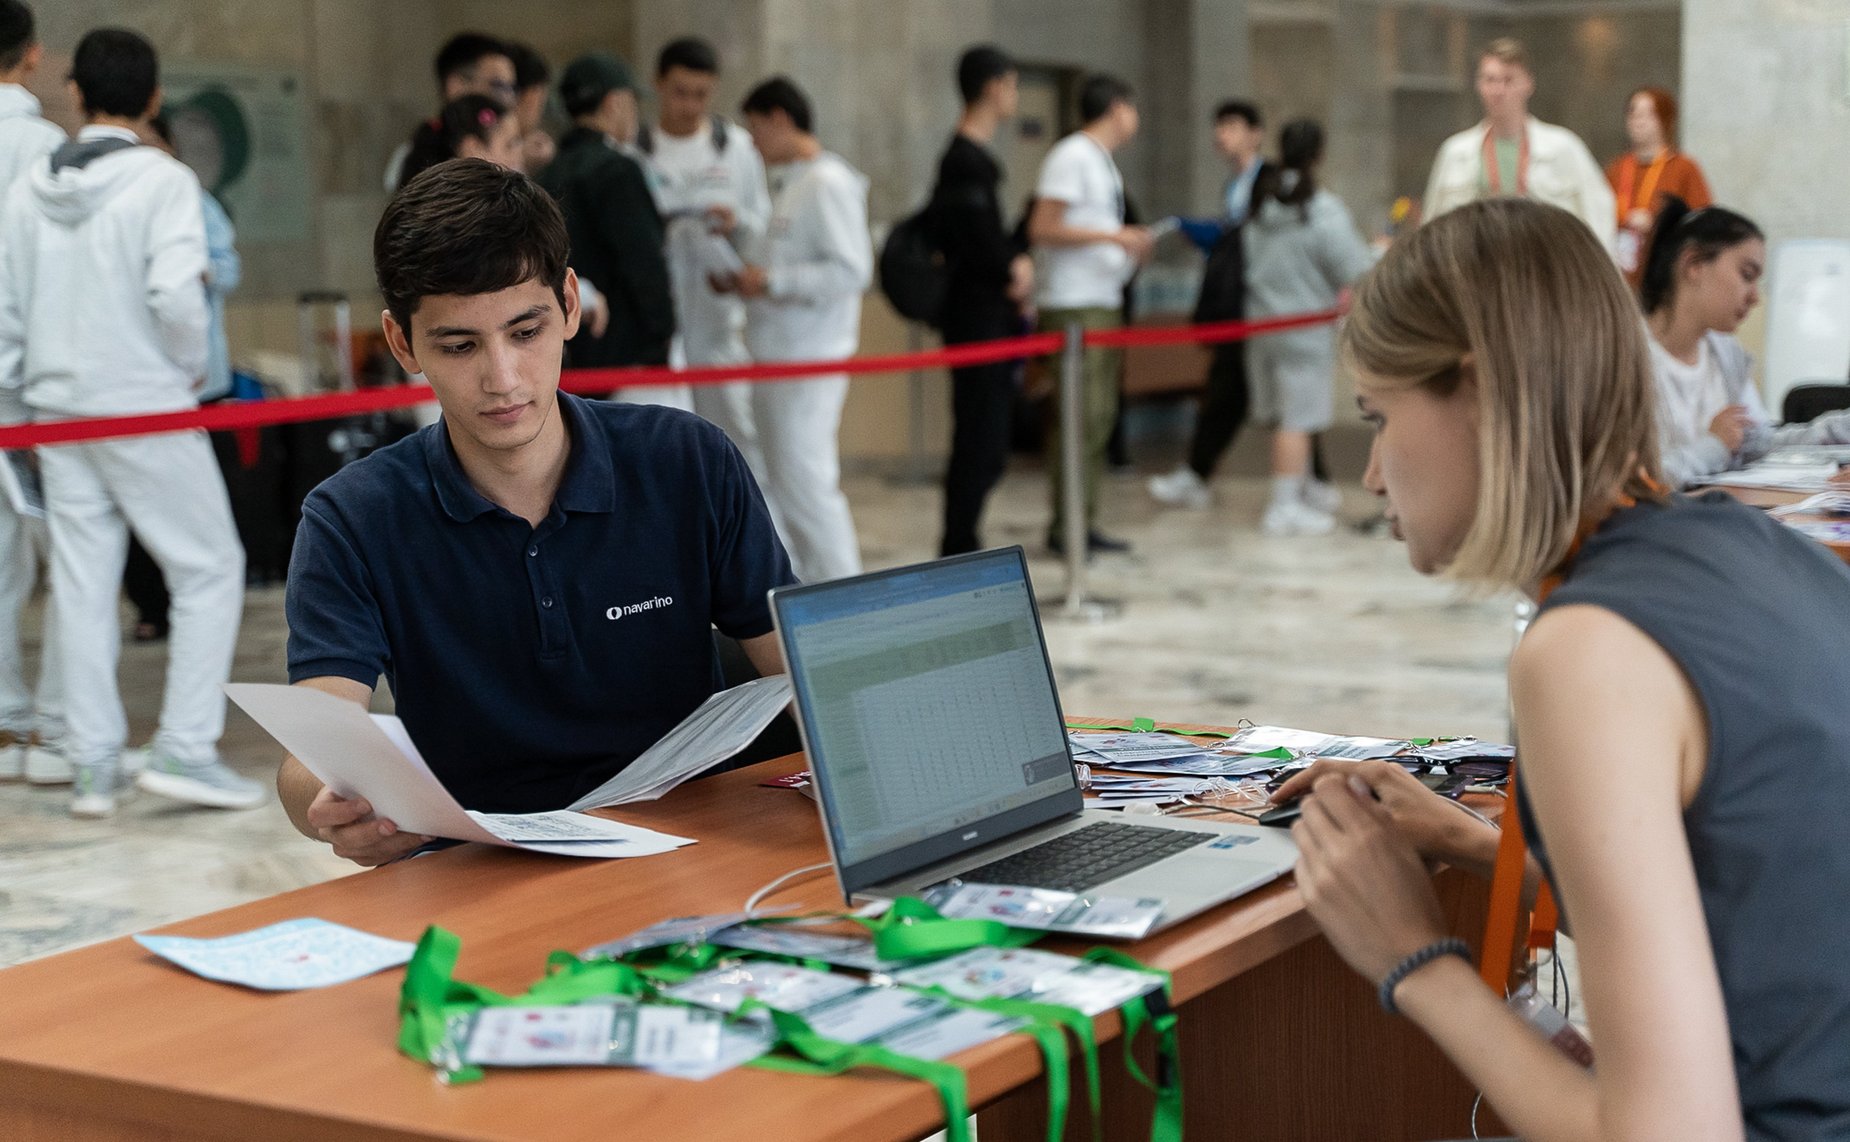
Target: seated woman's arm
1614	741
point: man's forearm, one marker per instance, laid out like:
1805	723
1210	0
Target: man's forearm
296	787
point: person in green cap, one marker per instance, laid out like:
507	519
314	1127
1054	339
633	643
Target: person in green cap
610	216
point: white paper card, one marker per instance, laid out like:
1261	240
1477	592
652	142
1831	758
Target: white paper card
1025	973
1042	909
288	956
781	986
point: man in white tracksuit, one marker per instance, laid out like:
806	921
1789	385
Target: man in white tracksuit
103	312
31	723
803	292
709	185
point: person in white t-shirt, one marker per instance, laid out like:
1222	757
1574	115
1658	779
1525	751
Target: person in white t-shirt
1513	154
709	183
1084	257
1701	279
31	719
803	291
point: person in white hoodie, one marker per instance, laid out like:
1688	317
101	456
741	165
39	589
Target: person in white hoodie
1513	154
31	719
803	297
1702	274
108	236
709	184
1301	250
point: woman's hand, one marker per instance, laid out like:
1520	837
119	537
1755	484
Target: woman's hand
1436	829
1362	880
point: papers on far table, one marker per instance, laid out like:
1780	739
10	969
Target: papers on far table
288	956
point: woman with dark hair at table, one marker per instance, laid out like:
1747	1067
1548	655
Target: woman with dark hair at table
1702	274
1684	772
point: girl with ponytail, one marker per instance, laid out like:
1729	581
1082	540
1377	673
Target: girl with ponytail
1701	278
1302	250
468	127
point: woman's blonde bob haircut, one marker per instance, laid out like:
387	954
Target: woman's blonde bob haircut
1521	299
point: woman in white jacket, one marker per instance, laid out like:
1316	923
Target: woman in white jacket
1701	279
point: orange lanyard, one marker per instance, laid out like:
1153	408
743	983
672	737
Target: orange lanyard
1493	174
1505	927
1628	179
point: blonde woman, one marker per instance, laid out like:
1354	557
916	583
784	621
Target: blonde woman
1678	701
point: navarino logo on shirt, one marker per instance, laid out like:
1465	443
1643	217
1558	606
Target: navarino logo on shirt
654	604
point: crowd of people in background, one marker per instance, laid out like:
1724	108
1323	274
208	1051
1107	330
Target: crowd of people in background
700	239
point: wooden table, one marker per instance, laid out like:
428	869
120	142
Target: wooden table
1279	1039
1774	498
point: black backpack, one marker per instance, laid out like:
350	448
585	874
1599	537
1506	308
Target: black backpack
914	273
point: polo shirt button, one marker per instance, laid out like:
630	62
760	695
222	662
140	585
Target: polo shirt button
533	551
546	602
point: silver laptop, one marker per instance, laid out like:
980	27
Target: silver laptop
927	705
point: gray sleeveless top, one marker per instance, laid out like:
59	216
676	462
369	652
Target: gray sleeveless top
1758	617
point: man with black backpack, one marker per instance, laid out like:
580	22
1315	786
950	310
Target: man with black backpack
987	278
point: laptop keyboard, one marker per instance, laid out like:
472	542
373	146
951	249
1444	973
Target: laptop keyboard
1086	858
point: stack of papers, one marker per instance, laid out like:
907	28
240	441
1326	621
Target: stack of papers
1824	503
359	754
1117	750
1256	740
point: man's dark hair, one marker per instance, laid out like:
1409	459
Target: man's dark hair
690	52
1097	95
16	33
466	49
1239	109
779	94
530	67
467	226
116	73
978	67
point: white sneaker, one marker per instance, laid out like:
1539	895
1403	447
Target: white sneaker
1282	519
47	765
1181	488
135	760
12	756
1324	497
93	791
208	783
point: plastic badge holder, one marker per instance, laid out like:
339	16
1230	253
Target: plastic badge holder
1553	1026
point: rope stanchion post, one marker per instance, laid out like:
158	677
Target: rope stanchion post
1075	606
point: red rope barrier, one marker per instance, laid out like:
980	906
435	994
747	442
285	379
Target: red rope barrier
231	415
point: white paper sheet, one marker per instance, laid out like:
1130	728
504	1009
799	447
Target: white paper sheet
294	954
367	755
722	726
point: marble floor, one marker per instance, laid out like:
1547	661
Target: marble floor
1219	623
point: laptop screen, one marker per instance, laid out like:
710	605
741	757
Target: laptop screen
929	711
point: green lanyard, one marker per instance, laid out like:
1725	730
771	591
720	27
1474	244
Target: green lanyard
1154	1010
911	929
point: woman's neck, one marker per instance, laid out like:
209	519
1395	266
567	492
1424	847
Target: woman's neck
1681	336
1648	152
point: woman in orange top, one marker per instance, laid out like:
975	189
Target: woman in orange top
1652	169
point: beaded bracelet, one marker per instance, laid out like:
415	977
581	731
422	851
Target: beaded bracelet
1413	963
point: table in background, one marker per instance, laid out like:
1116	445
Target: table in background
1279	1039
1774	498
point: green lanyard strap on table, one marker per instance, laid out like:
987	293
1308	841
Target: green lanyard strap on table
913	930
1153	1010
824	1056
431	995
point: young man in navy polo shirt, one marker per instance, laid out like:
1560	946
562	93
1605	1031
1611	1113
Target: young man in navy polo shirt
536	576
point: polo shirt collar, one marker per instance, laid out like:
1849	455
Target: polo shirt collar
588	485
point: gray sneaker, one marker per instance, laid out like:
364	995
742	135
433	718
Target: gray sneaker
208	783
94	789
